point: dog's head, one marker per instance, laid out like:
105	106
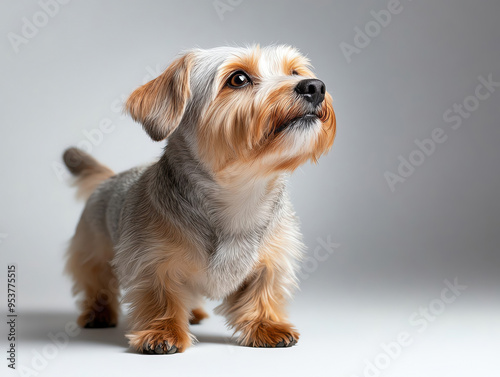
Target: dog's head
243	108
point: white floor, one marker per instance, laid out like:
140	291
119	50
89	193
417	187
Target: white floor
339	337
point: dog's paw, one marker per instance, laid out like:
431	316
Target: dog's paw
160	342
160	349
269	334
291	341
98	319
197	315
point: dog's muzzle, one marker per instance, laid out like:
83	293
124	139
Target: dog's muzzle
312	91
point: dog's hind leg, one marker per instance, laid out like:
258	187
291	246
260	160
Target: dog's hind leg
90	252
198	314
88	262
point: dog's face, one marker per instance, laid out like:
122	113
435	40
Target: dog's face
240	108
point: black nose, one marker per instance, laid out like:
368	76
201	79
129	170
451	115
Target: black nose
312	90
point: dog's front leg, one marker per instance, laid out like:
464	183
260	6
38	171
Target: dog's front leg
159	315
257	309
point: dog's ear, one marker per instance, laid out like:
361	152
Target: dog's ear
159	105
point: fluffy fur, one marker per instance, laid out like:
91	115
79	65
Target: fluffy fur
212	218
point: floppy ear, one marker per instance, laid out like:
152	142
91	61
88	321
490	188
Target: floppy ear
159	105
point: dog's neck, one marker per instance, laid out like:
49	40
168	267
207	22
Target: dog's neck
246	201
234	200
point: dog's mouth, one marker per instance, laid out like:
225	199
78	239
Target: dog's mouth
303	121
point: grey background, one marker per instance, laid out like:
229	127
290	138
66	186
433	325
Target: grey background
396	248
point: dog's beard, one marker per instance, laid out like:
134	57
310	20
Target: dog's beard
300	123
299	135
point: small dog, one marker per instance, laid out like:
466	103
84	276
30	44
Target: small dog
212	218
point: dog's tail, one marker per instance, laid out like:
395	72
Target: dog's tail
89	172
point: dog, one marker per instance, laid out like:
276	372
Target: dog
212	217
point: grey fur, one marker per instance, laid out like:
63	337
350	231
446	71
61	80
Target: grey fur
187	196
180	190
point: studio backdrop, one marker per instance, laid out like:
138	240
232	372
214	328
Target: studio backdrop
400	219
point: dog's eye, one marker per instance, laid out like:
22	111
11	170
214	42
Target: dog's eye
238	80
295	73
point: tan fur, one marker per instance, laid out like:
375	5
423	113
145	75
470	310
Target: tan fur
257	309
89	172
90	252
164	267
159	104
158	303
88	262
197	315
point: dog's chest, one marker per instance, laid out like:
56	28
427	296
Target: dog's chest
240	222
